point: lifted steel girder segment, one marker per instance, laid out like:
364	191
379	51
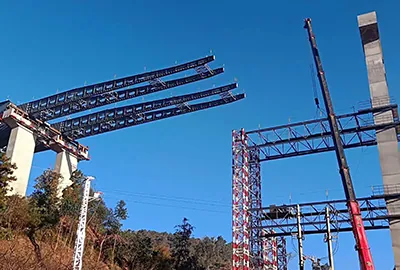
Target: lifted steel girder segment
113	97
282	219
52	101
309	137
133	119
115	114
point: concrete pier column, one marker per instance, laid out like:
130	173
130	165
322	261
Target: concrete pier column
20	150
66	164
387	138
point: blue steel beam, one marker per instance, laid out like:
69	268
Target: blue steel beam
117	96
310	137
115	114
49	102
282	219
133	119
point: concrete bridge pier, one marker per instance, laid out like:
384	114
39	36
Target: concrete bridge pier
20	150
66	164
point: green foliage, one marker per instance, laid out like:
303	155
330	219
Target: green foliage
136	251
72	197
44	216
213	253
113	217
6	176
121	212
184	258
44	201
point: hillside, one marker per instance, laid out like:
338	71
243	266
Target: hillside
38	232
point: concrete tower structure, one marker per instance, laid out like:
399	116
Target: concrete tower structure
386	138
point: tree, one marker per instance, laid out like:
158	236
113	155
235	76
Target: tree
120	211
45	198
111	228
72	196
213	253
6	176
70	207
46	216
139	251
136	251
181	248
44	207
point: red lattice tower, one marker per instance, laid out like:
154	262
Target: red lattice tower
282	254
256	240
240	202
270	252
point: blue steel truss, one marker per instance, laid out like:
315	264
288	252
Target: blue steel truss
282	219
101	94
133	119
49	102
117	96
310	137
115	114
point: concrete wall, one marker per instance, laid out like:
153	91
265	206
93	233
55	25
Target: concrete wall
66	164
387	139
20	150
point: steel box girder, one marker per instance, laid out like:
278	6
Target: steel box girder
115	114
129	121
133	119
34	107
118	96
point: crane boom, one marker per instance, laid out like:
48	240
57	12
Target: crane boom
364	253
117	96
115	114
95	89
133	119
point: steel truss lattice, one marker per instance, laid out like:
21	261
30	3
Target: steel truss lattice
314	136
81	232
34	107
282	219
251	249
256	241
282	256
263	247
240	202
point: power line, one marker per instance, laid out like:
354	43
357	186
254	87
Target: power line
176	206
169	198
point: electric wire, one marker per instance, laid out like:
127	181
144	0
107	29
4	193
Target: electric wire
94	212
177	206
169	198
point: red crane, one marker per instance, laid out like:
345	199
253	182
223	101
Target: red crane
360	236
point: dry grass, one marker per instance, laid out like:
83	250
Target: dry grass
18	254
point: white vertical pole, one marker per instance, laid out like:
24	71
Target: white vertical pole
80	234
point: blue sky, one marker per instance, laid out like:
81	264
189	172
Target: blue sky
185	162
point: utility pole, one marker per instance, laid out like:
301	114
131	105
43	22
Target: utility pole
329	238
300	239
360	236
81	232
